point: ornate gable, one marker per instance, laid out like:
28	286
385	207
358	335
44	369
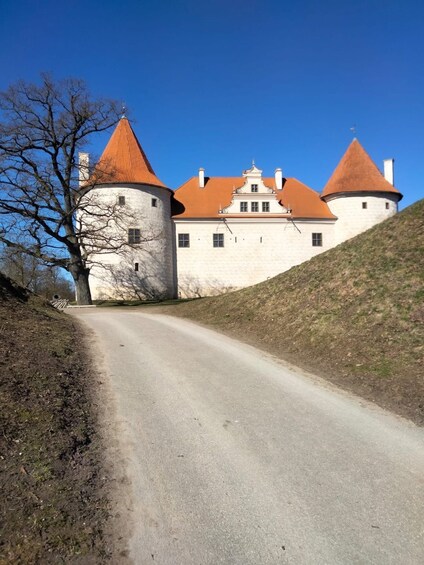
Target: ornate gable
253	198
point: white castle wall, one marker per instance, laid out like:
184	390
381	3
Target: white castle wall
353	218
253	251
115	275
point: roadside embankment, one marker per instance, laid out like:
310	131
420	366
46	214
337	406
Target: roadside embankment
353	315
54	504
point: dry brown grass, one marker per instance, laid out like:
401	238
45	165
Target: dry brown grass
52	507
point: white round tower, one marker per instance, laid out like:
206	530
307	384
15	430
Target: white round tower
133	208
358	194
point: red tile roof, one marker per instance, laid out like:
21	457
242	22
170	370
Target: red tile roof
123	160
190	201
357	172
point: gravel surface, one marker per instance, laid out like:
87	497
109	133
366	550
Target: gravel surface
234	457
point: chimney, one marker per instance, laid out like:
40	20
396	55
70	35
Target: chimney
278	179
389	170
201	178
83	167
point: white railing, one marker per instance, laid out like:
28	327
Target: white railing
59	303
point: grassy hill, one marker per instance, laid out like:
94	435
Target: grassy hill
354	315
52	509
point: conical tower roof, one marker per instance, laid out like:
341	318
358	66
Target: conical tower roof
357	172
123	160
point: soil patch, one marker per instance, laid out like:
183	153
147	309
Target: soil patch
56	488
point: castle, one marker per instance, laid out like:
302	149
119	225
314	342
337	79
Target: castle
215	234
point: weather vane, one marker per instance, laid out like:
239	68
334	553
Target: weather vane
124	110
353	129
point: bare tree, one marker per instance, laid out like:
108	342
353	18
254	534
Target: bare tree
22	268
32	274
42	204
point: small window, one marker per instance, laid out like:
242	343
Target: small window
254	207
254	188
243	206
183	240
265	206
134	235
317	240
121	200
387	205
218	240
364	205
136	267
154	202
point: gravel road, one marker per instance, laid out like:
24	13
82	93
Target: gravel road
235	458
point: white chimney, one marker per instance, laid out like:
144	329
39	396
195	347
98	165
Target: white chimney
278	179
389	170
201	178
83	167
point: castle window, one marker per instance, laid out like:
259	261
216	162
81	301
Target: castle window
364	205
265	206
243	206
317	240
254	206
254	188
154	202
218	240
136	267
387	205
183	240
121	200
134	235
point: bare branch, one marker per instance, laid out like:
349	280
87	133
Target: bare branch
42	129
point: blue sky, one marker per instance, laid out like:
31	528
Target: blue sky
217	83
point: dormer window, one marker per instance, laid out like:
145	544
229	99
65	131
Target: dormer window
254	206
254	188
243	206
265	206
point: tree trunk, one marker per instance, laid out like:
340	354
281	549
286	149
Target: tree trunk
82	287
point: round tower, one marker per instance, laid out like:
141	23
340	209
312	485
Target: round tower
358	194
133	209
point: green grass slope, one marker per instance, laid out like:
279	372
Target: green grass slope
354	315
